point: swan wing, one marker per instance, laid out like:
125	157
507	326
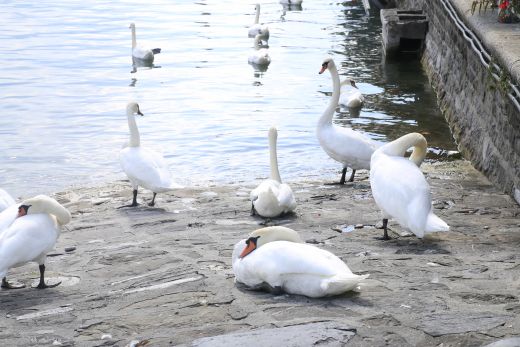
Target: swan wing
142	53
286	197
146	168
7	217
6	200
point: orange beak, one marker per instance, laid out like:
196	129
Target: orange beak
21	213
323	68
249	248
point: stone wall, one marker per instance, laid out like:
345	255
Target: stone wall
484	121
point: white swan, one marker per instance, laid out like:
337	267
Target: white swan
291	2
6	200
274	258
259	56
259	29
400	189
350	96
31	233
141	53
350	148
272	197
143	167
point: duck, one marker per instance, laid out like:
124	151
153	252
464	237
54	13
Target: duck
275	259
346	146
259	56
143	167
258	29
272	198
140	53
400	189
350	96
6	200
29	231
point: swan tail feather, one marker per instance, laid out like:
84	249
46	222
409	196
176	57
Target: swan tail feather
156	50
434	224
340	284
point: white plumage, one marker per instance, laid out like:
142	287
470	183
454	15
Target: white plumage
257	28
275	258
350	95
272	197
141	53
348	147
259	56
6	200
143	166
400	189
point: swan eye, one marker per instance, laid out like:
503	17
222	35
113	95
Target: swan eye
325	64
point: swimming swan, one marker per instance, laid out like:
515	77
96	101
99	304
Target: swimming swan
350	96
5	200
141	53
275	258
272	197
143	167
31	232
259	56
258	29
344	145
400	189
291	2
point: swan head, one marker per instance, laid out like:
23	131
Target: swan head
132	26
133	108
273	132
325	65
349	81
262	236
257	7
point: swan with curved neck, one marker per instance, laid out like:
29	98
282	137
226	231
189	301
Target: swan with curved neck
30	233
139	52
257	28
259	56
143	167
400	189
276	259
346	146
272	197
350	96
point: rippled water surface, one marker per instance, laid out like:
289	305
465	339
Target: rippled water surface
67	76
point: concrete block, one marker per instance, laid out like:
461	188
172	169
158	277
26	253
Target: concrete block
404	31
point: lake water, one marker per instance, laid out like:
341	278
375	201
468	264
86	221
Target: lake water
67	76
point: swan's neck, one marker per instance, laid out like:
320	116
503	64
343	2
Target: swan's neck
398	147
61	213
135	140
273	159
257	42
134	41
45	204
257	18
326	117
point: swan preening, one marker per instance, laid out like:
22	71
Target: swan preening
272	197
350	148
259	29
259	56
400	189
276	259
143	167
28	231
140	53
6	200
350	96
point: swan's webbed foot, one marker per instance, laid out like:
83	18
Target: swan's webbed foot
385	231
42	284
253	211
343	173
351	179
152	203
7	285
134	201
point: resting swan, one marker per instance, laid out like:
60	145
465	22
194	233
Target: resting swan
5	200
143	167
272	197
259	29
275	258
259	56
141	53
351	96
344	145
400	189
29	231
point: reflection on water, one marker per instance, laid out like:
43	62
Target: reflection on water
66	80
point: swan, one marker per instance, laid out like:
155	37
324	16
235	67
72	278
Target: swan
351	96
275	258
143	167
5	200
260	56
259	29
291	2
344	145
400	189
141	53
32	231
272	197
